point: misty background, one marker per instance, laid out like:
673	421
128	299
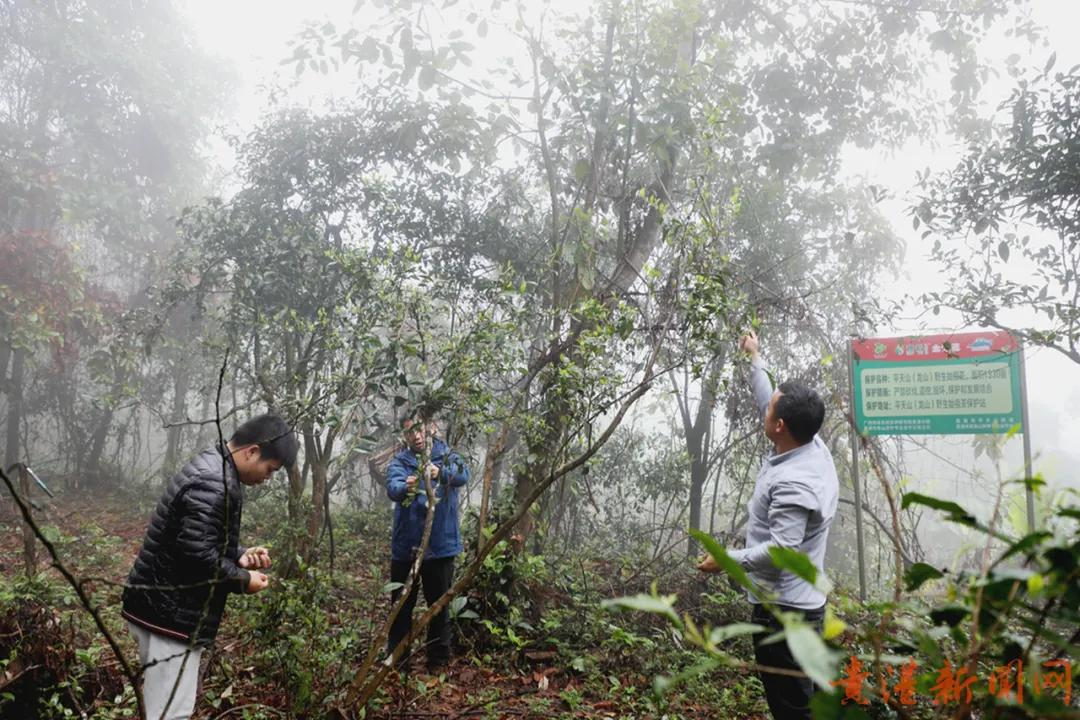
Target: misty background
218	71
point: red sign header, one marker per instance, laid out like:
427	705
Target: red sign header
945	346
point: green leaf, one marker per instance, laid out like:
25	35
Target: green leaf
918	574
581	170
725	561
391	587
1026	544
663	683
426	78
833	626
1003	251
1050	635
810	651
951	615
719	634
794	562
1050	62
956	513
405	42
369	50
661	605
830	706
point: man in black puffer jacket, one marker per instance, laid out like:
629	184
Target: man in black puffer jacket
191	560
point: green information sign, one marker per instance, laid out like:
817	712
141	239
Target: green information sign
964	383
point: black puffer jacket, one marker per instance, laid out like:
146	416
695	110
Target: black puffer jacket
187	565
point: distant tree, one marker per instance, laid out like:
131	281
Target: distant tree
342	288
102	108
1006	220
615	108
43	305
794	259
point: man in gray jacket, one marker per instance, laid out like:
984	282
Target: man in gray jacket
793	505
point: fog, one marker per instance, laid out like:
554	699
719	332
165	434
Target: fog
547	225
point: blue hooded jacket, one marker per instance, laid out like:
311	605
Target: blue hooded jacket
409	521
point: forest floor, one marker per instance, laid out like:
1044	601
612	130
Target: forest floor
293	652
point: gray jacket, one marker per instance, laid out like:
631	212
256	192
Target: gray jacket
793	505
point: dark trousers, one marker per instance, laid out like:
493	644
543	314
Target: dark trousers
436	576
788	697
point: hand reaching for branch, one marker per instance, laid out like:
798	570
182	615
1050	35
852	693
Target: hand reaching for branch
749	344
708	565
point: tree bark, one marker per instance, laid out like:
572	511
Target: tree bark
102	422
175	436
491	459
319	459
15	407
29	540
697	435
5	358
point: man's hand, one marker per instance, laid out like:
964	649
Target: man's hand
257	582
749	343
708	565
432	471
255	558
410	483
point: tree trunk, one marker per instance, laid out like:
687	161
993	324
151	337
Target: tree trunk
5	358
698	472
29	541
294	507
207	434
491	459
318	491
545	455
697	435
296	492
97	443
175	436
15	407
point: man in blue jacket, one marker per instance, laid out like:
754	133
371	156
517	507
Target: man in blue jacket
426	458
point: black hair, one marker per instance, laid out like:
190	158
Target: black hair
419	413
801	409
272	434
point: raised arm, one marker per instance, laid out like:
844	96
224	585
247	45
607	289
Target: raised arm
760	383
